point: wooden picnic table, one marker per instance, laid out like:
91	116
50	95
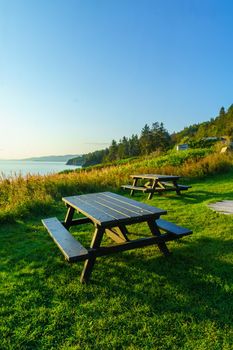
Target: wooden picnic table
110	214
155	183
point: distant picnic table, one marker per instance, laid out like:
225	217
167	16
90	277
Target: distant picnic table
110	214
155	183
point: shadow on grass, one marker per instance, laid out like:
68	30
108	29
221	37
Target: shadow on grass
196	273
204	196
41	289
191	197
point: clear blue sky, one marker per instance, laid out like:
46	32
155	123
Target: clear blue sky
76	74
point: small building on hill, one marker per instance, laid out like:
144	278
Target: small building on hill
182	147
215	139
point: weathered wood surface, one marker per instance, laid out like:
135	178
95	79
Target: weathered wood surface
117	234
111	214
137	205
69	246
158	183
106	208
183	187
137	188
173	229
75	222
224	207
155	176
132	244
170	187
90	262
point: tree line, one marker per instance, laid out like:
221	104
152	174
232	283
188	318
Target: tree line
156	138
220	126
152	138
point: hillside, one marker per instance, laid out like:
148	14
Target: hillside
157	139
52	158
151	138
221	125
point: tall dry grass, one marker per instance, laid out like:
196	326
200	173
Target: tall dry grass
36	195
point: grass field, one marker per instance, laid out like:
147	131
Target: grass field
137	299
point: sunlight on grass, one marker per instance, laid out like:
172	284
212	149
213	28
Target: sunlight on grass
137	299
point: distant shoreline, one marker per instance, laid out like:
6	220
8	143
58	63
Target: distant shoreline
52	158
25	167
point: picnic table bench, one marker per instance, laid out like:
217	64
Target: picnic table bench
155	183
110	214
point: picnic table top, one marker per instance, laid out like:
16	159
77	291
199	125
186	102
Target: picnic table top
155	176
110	209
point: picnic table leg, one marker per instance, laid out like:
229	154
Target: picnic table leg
154	184
177	187
89	263
69	217
155	232
134	184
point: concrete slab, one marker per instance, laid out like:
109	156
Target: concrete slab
224	207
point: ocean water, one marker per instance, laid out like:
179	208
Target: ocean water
20	167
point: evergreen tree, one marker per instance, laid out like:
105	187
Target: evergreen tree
123	148
146	140
113	150
134	146
120	150
160	136
222	112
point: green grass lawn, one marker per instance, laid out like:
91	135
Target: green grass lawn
137	299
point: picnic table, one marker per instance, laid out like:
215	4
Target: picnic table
110	214
155	183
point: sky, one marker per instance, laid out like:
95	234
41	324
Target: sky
76	74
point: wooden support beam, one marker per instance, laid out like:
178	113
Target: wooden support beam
116	235
79	221
132	244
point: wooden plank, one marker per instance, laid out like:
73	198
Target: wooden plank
167	177
89	263
165	189
169	184
69	246
75	222
121	205
104	215
120	210
107	209
116	235
156	232
179	186
112	205
132	244
69	217
183	187
97	215
173	228
159	185
148	184
135	204
155	176
136	188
